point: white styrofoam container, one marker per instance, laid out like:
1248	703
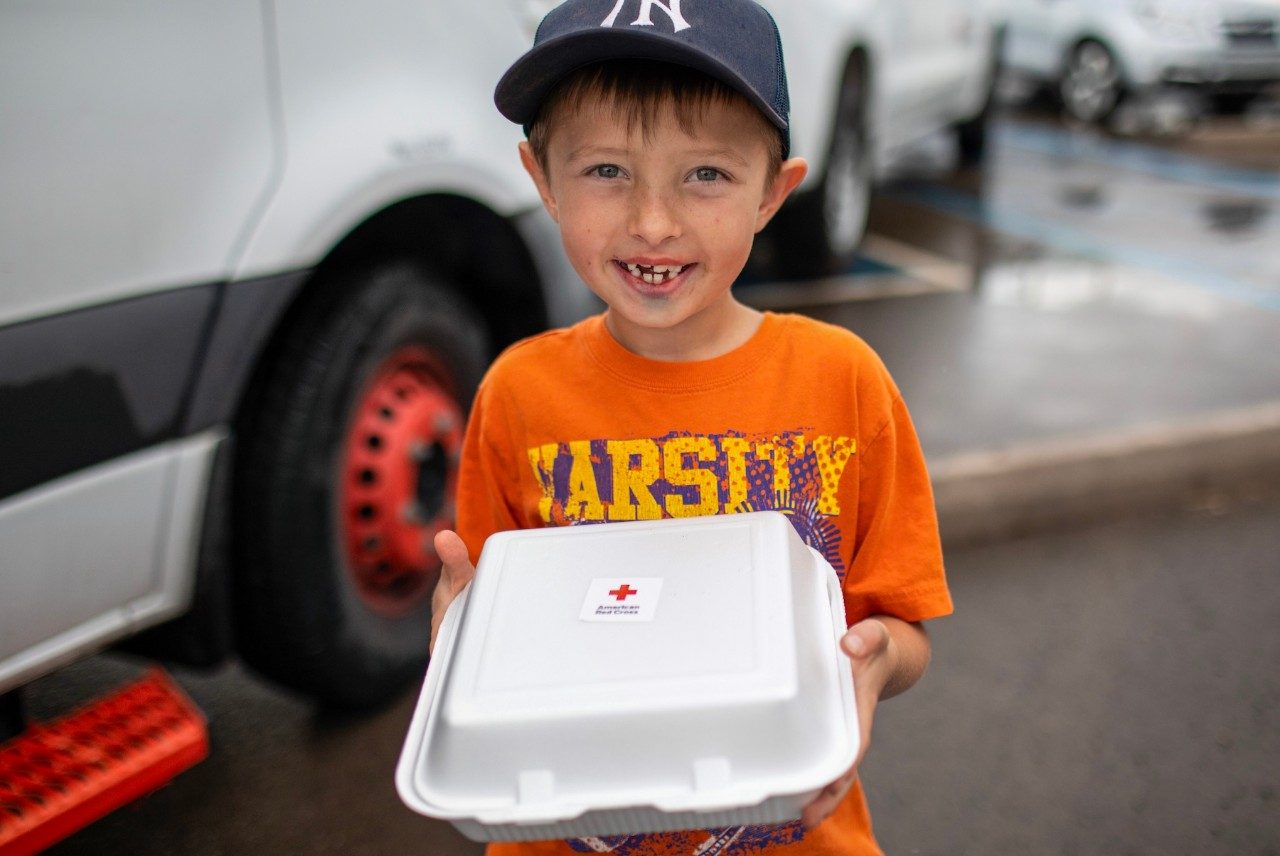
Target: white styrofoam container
634	677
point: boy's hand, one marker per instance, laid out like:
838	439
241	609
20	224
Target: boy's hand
869	646
454	576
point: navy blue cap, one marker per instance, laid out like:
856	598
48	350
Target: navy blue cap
734	41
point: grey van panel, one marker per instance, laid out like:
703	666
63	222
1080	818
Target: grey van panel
85	387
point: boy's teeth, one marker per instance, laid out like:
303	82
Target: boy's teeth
654	274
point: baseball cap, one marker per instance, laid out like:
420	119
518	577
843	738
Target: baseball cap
734	41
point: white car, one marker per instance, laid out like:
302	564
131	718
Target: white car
1095	52
254	256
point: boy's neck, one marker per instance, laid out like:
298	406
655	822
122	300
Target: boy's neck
702	337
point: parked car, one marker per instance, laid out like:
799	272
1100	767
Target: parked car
254	257
1094	53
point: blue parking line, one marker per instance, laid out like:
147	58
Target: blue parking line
1023	225
1137	157
867	266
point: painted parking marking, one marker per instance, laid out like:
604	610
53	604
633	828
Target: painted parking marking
885	268
1139	158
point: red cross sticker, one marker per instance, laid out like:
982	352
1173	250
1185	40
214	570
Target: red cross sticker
623	592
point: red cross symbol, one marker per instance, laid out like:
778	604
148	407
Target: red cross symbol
624	591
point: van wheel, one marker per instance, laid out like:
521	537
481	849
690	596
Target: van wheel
1091	84
819	231
348	470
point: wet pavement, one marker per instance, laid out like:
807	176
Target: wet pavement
1077	289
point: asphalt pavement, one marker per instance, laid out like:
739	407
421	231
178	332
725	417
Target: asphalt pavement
1110	690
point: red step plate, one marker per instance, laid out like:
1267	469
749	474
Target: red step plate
60	777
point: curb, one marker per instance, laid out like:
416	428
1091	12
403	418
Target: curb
1001	493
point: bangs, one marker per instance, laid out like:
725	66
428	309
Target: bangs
638	93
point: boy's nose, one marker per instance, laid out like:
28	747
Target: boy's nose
654	217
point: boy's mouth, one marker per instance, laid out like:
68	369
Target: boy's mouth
653	274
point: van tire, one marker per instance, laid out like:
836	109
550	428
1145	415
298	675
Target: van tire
303	615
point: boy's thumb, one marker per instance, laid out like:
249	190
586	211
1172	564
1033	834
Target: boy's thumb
864	638
453	553
853	644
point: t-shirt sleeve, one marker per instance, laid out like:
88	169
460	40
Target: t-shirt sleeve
897	562
487	498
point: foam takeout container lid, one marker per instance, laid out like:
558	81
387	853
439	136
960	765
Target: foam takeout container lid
634	677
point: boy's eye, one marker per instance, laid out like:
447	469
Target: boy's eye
707	173
606	170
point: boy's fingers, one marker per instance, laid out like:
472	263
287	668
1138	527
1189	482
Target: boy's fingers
825	804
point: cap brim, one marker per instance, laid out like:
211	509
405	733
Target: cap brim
527	83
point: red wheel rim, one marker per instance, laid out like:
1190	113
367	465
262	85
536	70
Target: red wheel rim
399	478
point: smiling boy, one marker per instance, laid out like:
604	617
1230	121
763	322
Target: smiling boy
657	138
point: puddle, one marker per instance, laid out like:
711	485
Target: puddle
1235	216
1082	196
1064	284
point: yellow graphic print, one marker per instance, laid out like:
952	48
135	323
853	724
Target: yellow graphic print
689	475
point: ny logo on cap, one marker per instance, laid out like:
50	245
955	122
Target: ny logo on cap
646	6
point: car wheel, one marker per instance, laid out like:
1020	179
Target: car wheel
348	470
819	231
1091	84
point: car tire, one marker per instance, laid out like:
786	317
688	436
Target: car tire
349	461
819	231
1092	82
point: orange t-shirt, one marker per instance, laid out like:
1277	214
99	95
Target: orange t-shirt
570	427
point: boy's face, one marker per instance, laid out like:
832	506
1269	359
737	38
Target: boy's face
659	227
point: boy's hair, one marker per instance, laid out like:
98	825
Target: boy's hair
636	91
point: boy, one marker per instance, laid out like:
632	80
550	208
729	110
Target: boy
657	138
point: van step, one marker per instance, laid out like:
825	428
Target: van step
59	777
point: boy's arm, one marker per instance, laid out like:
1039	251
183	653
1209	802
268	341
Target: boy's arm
888	656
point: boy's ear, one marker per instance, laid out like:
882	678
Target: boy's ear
790	173
539	176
